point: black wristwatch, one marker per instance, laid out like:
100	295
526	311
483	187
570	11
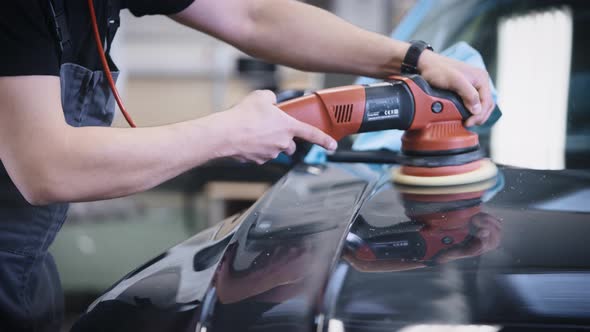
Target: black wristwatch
410	63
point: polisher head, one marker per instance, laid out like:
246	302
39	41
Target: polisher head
439	139
442	154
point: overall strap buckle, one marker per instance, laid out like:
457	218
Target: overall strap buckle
114	22
60	23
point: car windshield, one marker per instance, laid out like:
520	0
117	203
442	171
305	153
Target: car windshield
538	55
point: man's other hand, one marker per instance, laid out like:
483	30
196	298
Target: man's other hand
471	83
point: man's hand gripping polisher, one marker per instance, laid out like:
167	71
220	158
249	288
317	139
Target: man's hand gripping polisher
436	148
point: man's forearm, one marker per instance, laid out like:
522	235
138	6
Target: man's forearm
292	33
92	163
98	163
307	38
50	161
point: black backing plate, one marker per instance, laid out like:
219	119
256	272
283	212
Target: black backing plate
440	161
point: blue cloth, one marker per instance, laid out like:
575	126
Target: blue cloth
391	139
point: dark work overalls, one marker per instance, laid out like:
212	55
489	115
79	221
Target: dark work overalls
31	297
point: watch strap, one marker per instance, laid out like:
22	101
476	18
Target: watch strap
410	63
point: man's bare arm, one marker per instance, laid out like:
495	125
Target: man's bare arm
50	161
305	37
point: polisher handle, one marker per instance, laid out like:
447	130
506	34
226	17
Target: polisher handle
454	98
338	111
355	109
437	127
433	105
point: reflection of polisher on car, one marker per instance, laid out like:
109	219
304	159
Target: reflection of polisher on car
442	227
436	148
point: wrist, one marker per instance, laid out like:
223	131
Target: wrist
426	58
214	136
395	52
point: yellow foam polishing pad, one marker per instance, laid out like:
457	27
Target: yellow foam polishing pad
447	190
485	171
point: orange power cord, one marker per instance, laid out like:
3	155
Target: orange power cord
105	65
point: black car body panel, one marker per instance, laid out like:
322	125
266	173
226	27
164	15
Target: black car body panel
527	269
285	264
294	230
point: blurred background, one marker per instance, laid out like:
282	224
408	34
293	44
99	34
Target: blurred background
535	51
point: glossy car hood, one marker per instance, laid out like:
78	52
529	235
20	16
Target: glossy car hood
519	261
339	247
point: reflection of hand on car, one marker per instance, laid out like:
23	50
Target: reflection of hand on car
380	265
487	237
279	266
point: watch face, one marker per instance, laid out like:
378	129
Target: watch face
421	44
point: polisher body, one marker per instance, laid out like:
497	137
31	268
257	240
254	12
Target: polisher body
432	118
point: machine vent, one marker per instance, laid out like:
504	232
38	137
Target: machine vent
343	113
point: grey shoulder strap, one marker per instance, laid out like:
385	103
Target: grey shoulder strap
60	23
62	32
